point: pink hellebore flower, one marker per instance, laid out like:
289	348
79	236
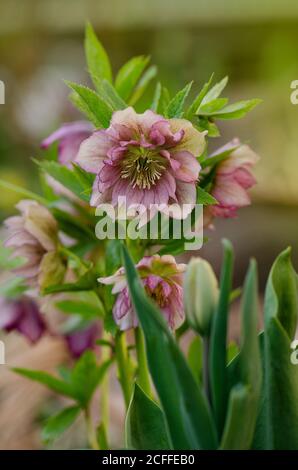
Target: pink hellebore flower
162	279
23	316
233	179
81	340
33	235
145	158
69	136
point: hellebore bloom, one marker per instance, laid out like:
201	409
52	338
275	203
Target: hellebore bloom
200	295
145	158
233	179
80	340
69	136
33	235
162	279
23	316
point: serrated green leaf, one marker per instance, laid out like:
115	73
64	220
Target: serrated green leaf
212	107
215	91
175	108
186	410
107	92
129	75
198	100
99	111
72	179
205	198
235	110
143	83
156	97
96	56
145	425
59	423
54	384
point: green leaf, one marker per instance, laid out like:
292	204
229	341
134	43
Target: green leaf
102	439
143	84
235	110
247	375
186	410
209	109
54	384
145	425
59	423
218	341
23	192
218	158
86	282
215	91
156	97
278	416
176	105
96	56
98	111
233	351
12	288
129	75
205	198
198	100
195	357
237	432
107	92
72	179
86	375
85	309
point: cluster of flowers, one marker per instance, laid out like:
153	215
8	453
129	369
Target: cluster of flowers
148	159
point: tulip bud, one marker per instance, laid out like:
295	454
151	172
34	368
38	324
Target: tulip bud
200	295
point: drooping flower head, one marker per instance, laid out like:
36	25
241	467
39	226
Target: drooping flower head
233	179
81	340
69	136
145	158
33	235
22	315
162	279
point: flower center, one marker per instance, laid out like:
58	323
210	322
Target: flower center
142	167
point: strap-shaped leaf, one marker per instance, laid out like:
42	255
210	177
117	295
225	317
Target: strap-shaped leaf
145	425
218	346
187	413
278	417
245	373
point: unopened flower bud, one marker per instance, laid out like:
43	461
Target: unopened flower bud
200	295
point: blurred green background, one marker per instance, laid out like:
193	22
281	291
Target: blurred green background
255	43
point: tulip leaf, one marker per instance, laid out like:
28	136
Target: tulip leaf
185	407
176	105
59	423
97	59
218	342
145	425
129	75
246	376
278	415
97	110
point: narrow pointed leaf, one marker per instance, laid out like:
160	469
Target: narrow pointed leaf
96	56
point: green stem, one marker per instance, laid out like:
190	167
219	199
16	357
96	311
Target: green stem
104	395
206	380
143	372
69	254
124	369
90	431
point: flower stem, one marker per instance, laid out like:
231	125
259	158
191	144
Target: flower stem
206	383
90	431
104	392
124	369
143	372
